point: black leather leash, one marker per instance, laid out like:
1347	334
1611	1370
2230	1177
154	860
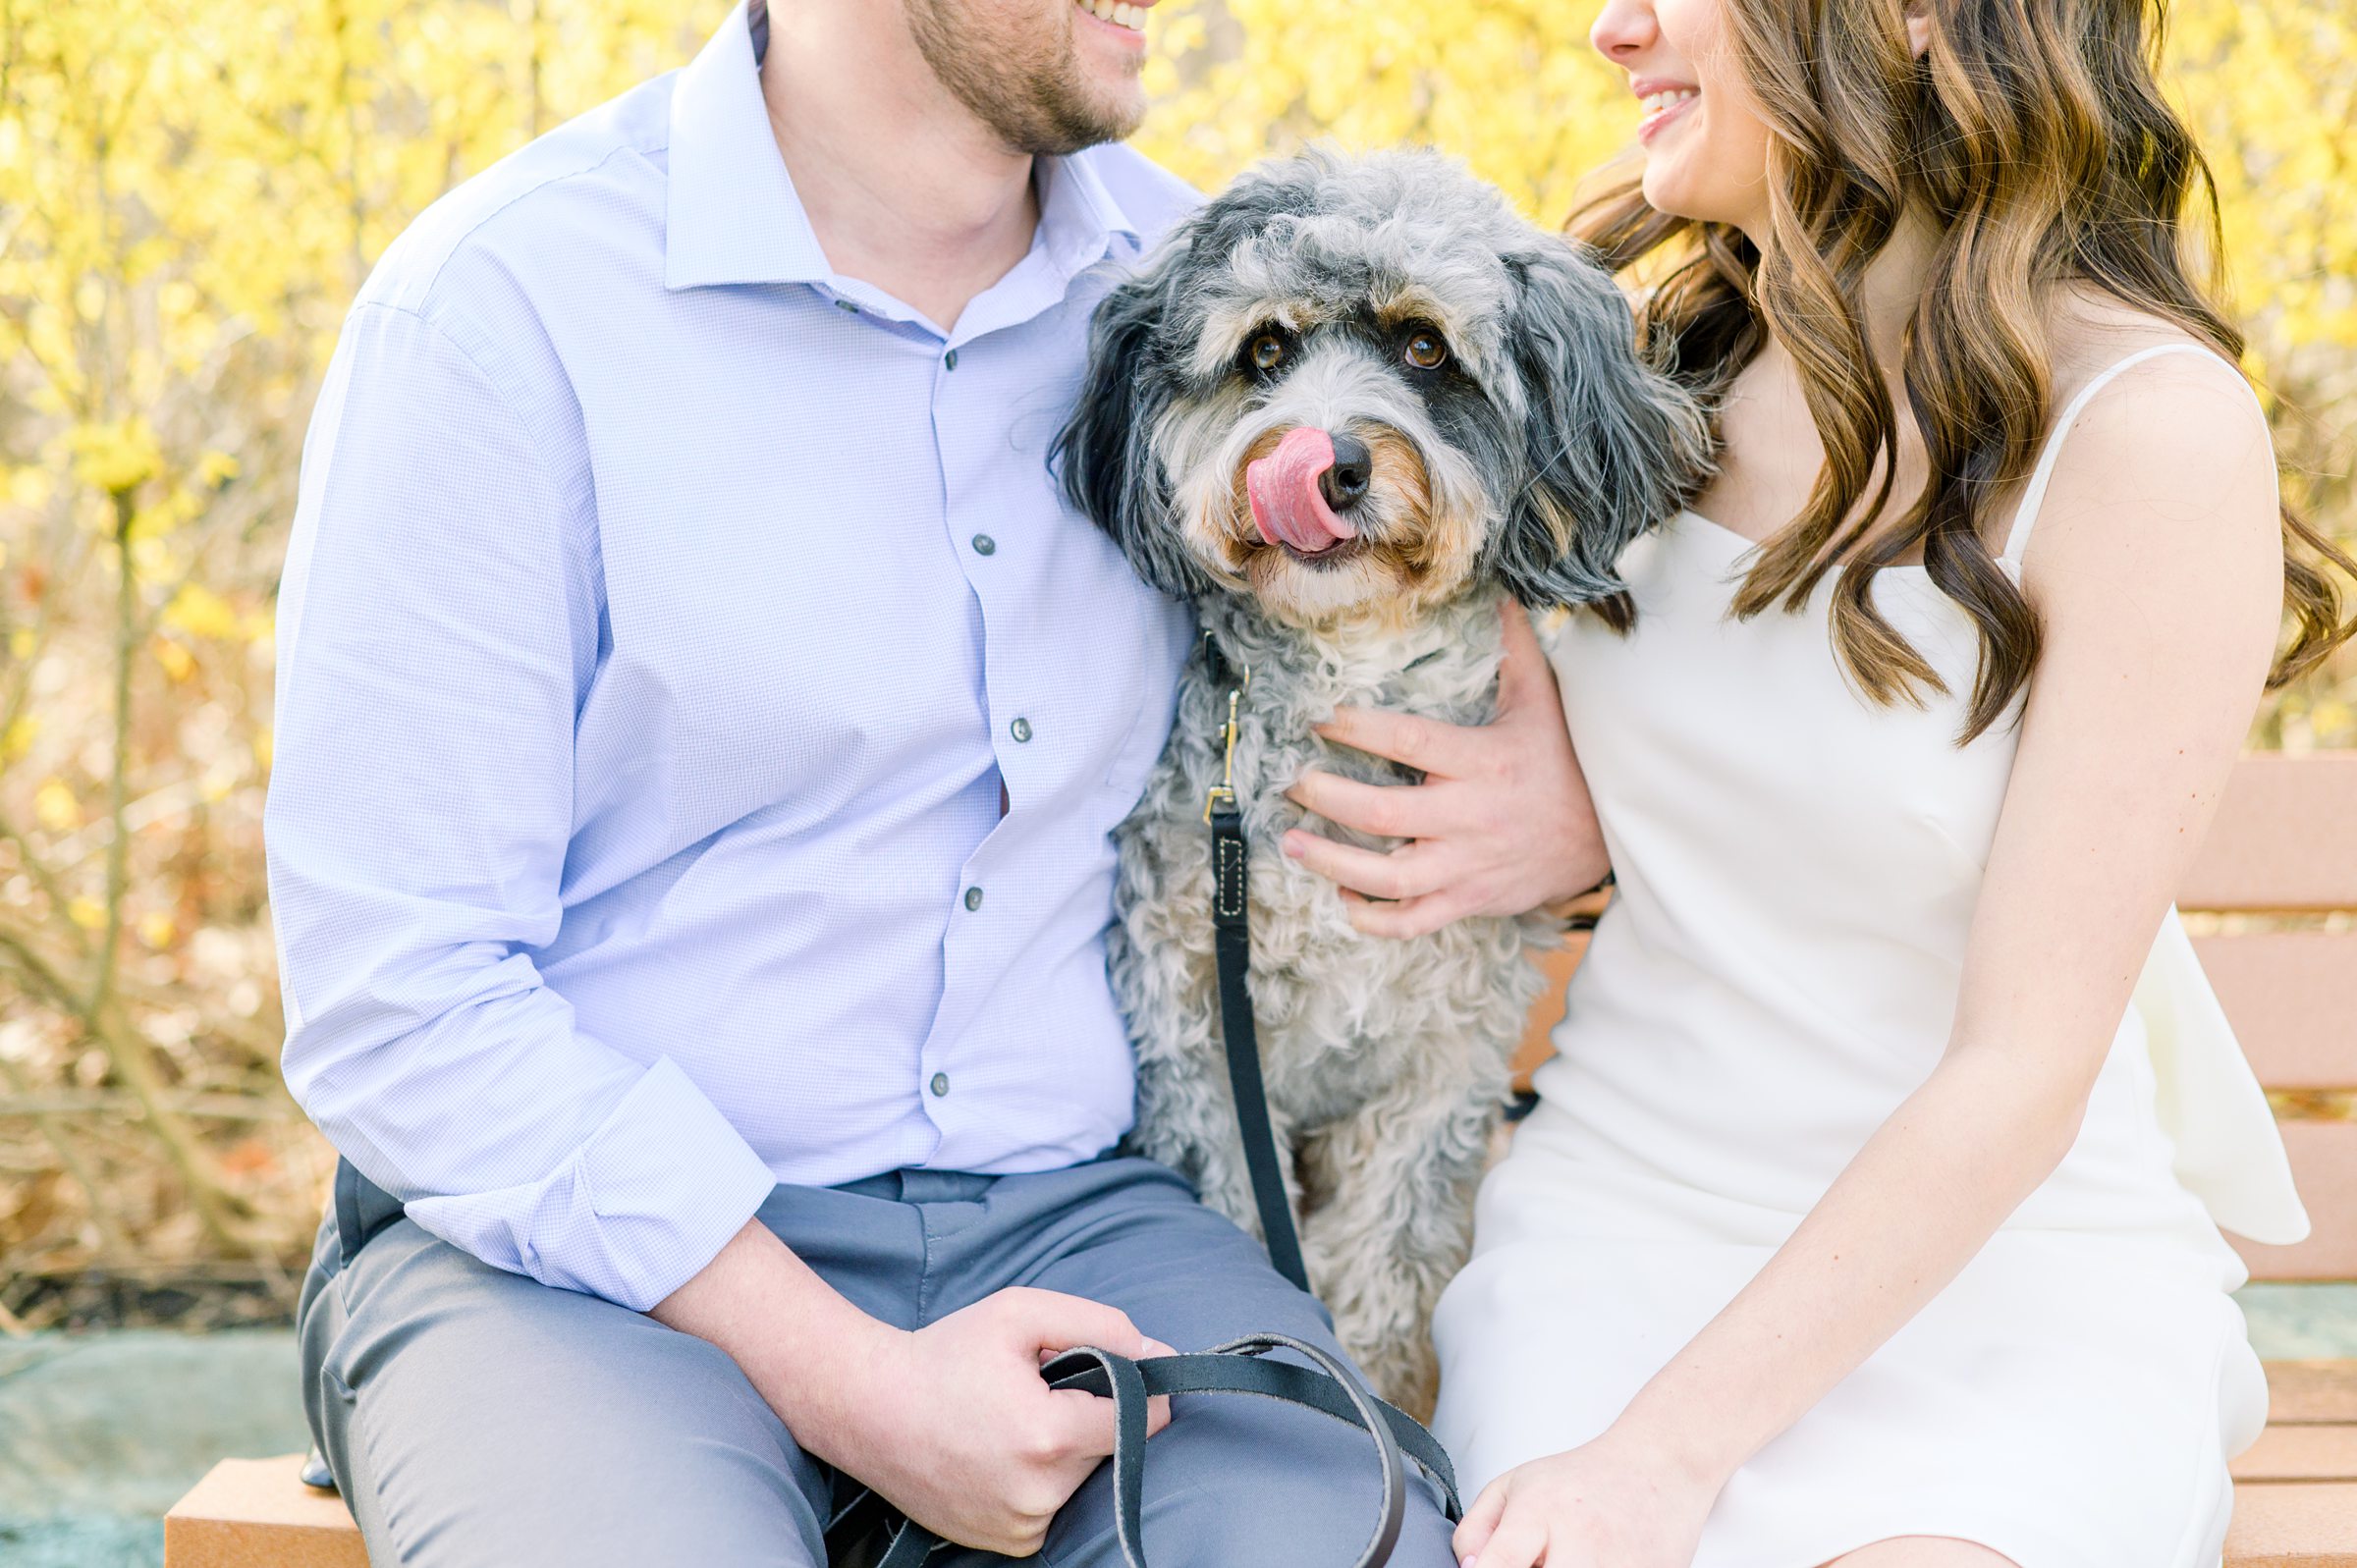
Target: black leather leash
1231	951
871	1533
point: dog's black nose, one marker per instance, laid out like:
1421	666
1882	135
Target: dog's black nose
1345	485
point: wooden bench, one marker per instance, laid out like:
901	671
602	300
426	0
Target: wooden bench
2274	902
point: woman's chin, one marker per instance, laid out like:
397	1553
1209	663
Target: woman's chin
1667	190
1665	193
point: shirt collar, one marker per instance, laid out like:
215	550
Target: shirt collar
731	215
1079	215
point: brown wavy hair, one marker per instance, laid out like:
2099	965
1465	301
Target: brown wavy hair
2034	135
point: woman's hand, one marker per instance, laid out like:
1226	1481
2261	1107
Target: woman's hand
1607	1504
1501	824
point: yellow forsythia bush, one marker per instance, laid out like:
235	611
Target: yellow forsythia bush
191	192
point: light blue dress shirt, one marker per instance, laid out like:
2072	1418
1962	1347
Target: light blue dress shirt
663	618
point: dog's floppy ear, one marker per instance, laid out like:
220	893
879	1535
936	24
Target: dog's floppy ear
1105	455
1612	446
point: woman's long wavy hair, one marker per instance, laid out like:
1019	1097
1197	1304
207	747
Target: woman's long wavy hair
2034	135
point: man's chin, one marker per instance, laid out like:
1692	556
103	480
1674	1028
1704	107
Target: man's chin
1077	125
1121	125
1101	90
1044	94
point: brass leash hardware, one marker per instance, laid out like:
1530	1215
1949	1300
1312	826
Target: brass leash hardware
1222	795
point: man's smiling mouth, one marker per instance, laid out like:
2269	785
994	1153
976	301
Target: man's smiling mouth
1120	13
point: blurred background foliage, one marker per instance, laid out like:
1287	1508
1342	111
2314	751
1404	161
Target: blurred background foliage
189	192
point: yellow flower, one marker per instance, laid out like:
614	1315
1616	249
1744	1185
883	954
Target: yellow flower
157	929
201	612
86	912
54	806
152	523
116	456
178	662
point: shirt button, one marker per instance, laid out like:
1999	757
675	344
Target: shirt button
985	545
949	361
1020	730
974	897
940	1085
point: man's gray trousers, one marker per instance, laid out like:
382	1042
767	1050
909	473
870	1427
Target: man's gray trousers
478	1419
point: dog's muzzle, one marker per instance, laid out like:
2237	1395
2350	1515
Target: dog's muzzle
1303	492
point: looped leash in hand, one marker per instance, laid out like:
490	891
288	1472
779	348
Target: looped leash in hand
1327	1385
1231	951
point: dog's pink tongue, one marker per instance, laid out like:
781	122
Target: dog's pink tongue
1286	506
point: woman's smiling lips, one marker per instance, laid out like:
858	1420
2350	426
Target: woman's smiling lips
1664	100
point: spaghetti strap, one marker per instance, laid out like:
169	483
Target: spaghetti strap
2025	518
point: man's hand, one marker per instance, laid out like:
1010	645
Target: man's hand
953	1423
1501	824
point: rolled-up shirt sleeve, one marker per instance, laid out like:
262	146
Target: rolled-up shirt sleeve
438	629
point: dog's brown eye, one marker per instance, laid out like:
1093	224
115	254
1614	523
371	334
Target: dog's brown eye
1268	351
1426	352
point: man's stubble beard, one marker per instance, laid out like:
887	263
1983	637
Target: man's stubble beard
1027	87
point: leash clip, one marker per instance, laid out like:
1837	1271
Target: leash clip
1222	795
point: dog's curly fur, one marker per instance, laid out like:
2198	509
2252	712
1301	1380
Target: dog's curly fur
1522	464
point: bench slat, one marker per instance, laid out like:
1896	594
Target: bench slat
2280	1526
2311	1392
2324	1161
254	1513
2300	1453
1548	1011
2289	994
2285	839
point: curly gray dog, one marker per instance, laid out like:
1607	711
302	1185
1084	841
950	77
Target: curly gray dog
1347	405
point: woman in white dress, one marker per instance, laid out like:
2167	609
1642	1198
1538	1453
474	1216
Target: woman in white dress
1863	1219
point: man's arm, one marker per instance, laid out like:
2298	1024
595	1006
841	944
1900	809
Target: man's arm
438	625
438	628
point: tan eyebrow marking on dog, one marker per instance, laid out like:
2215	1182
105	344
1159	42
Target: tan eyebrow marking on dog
1226	328
1406	299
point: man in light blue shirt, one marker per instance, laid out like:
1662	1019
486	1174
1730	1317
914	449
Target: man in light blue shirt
699	725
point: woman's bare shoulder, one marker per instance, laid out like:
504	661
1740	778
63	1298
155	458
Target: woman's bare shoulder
2169	466
2152	415
2089	332
2160	416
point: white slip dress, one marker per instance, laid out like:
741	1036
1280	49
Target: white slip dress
1797	868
